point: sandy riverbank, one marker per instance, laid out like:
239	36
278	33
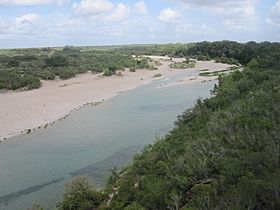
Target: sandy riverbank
21	111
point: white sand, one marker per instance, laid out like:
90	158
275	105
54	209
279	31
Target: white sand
25	110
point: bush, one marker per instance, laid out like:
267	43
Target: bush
134	206
112	69
32	82
157	75
80	195
57	61
132	69
65	73
107	73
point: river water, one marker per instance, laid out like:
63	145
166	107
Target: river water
35	167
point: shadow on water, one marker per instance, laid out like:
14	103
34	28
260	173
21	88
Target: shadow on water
6	199
98	172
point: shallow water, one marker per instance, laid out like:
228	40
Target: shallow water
35	167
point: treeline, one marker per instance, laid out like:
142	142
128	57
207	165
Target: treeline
230	52
223	154
172	50
25	68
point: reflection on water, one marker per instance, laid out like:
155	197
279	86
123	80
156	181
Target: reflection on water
35	167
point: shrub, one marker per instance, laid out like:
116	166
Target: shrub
57	61
157	75
107	73
80	195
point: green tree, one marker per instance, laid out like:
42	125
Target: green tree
80	195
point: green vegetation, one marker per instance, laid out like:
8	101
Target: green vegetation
223	51
80	195
233	51
172	50
226	60
143	62
223	154
23	68
183	65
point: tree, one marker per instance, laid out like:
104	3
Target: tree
80	195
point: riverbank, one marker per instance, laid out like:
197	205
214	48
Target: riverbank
22	112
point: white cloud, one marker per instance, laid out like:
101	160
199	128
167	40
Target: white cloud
26	19
29	2
217	4
237	14
169	15
274	18
121	12
276	7
24	24
4	25
194	29
242	19
140	7
92	7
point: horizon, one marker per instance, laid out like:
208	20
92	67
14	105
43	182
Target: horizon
133	44
51	23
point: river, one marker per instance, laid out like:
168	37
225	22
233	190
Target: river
35	167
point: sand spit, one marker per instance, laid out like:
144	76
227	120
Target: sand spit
23	112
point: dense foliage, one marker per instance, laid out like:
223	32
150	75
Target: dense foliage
80	195
232	52
223	154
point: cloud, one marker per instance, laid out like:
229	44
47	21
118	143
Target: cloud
169	15
242	19
140	7
4	25
194	29
121	12
26	19
217	4
24	24
237	15
93	7
274	18
29	2
21	25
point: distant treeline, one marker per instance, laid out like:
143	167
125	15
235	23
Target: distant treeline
172	50
223	154
223	51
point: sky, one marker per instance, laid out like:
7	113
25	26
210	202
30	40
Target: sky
42	23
